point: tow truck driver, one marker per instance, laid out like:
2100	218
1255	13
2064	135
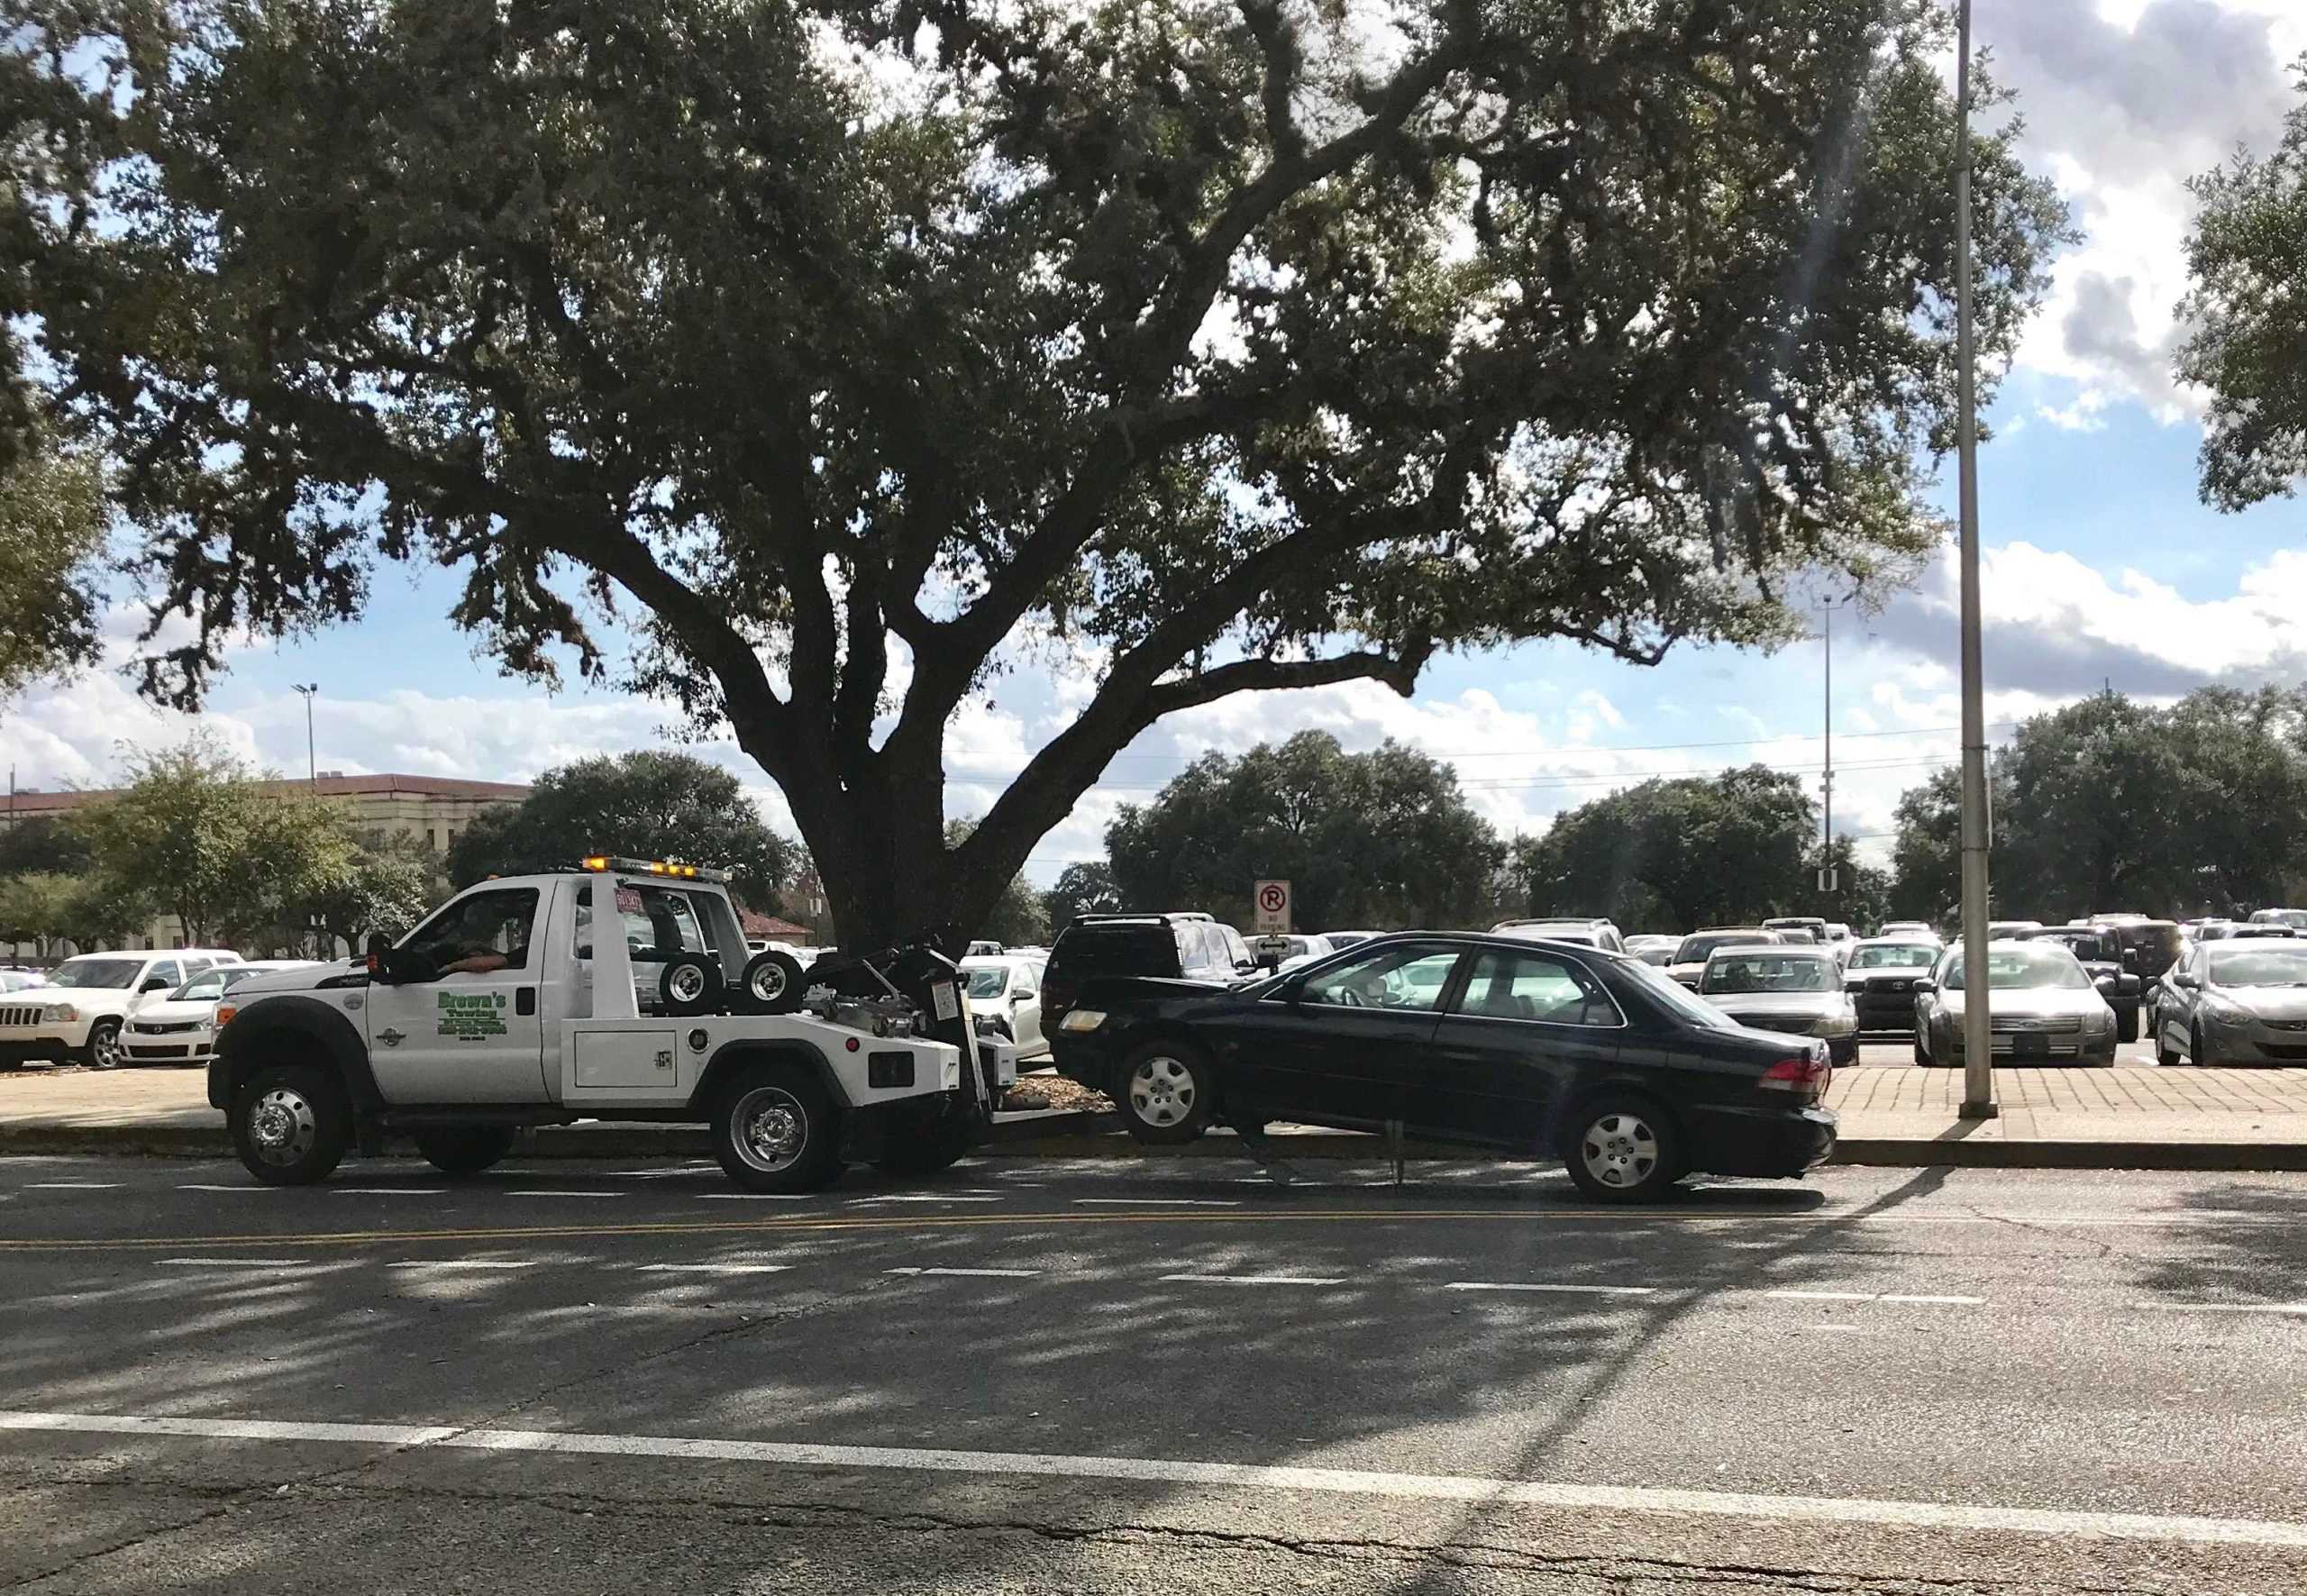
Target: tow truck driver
488	932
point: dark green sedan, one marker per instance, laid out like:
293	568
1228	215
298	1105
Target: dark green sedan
1535	1048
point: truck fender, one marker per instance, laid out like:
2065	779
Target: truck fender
293	1026
731	1057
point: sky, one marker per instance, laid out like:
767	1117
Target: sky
2100	566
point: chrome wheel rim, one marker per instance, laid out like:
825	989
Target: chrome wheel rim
1619	1150
282	1126
769	1128
105	1047
768	984
687	984
1162	1091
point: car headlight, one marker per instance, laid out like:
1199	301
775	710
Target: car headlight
1834	1024
2215	1006
2099	1023
60	1013
1082	1020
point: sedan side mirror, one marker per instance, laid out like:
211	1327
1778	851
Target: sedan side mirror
1923	984
2188	979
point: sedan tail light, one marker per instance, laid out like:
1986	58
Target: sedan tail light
1805	1077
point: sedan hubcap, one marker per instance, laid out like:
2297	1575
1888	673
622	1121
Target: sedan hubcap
1619	1150
282	1125
1162	1091
773	1128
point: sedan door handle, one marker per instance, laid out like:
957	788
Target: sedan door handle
390	1037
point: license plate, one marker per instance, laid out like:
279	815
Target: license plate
2029	1046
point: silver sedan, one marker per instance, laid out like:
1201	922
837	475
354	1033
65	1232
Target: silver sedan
2042	1009
2241	1002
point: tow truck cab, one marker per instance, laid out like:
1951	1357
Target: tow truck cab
509	1007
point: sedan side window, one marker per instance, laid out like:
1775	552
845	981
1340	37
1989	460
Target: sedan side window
1534	987
1397	978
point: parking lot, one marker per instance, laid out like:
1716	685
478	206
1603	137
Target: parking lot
1054	1374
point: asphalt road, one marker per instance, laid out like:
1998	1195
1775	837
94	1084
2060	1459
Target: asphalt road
1120	1377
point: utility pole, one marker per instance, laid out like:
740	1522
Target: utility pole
1828	882
1978	1033
312	761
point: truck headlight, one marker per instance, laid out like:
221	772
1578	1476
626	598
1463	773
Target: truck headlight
1082	1020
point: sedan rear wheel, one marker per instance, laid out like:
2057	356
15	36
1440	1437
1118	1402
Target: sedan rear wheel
1623	1149
1165	1094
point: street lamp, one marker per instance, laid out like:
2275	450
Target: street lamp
1978	1034
312	761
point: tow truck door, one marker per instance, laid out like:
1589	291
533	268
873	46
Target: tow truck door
468	1036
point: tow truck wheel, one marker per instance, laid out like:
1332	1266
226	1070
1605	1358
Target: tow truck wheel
690	984
465	1149
1164	1095
291	1124
771	983
774	1131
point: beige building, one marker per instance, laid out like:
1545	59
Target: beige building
436	808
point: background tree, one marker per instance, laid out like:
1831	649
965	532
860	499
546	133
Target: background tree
1236	345
387	885
44	843
34	906
1083	888
1927	857
1380	840
648	803
51	536
1018	917
1677	856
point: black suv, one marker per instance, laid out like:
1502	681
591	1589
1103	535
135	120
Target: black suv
1188	946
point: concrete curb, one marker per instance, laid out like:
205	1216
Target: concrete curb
1076	1133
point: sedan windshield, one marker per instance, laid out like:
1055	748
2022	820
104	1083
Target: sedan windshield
2024	968
1674	997
988	980
1696	949
1893	956
2259	964
112	974
210	985
1768	973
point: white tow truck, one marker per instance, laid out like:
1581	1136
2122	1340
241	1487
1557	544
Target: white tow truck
508	1009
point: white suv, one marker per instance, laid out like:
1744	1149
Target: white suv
76	1018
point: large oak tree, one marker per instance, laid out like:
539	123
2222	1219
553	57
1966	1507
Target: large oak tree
808	361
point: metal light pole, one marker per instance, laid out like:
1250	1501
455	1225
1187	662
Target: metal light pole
1827	787
1978	1036
312	761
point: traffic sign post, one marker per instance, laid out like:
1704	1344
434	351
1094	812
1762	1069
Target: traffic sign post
1271	902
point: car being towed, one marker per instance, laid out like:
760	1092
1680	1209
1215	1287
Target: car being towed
1548	1049
2042	1009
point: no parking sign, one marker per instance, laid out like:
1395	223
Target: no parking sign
1270	899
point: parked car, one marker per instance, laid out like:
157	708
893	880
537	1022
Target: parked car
1792	990
2237	1001
1171	946
1545	1049
1595	932
2296	918
2010	930
1689	960
1653	950
1007	990
1289	952
76	1016
179	1028
1346	939
22	980
1811	928
2041	1008
1908	931
2099	949
1880	975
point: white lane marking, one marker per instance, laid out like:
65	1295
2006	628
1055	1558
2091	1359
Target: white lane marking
390	1190
247	1263
1504	1285
251	1186
1935	1302
1157	1202
464	1264
1878	1297
1824	1296
859	1202
2049	1521
535	1191
72	1185
757	1196
972	1274
715	1268
1260	1280
2294	1308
